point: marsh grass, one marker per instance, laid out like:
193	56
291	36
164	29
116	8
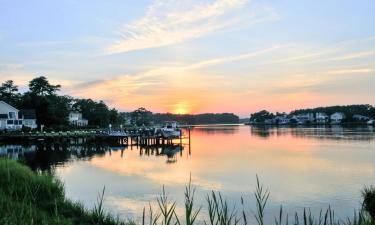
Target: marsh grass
30	198
219	211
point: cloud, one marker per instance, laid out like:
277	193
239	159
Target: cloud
169	22
165	86
352	71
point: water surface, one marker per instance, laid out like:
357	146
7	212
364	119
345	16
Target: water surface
302	167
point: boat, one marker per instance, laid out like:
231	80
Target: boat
170	130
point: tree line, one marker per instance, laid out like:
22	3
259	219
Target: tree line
52	110
349	111
205	118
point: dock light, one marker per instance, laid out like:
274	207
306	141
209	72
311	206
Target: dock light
110	128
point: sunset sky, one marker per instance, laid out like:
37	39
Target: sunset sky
194	56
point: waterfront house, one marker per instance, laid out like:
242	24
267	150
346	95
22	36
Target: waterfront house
321	118
337	117
9	119
282	120
75	119
29	118
358	117
304	118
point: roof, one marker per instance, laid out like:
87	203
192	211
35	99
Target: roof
27	114
3	116
2	102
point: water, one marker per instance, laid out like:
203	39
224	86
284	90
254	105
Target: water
302	167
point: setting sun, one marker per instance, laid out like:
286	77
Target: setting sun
180	108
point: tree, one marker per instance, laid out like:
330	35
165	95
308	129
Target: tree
97	113
9	92
114	116
40	86
261	116
141	116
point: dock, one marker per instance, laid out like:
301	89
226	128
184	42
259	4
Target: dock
139	137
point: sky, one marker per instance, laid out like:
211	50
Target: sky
194	56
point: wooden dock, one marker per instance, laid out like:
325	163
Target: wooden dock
140	137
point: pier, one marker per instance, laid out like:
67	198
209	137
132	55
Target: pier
138	137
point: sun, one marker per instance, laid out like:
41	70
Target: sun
180	108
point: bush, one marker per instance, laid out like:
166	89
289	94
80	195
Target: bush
368	195
29	198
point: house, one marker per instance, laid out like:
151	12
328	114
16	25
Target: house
321	118
282	119
29	118
9	119
358	117
75	119
337	117
304	118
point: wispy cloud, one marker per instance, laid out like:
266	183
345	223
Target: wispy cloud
167	86
169	22
352	71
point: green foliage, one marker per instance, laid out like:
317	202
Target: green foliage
261	197
368	195
190	213
97	113
141	117
261	116
348	110
9	93
53	110
206	118
29	198
40	86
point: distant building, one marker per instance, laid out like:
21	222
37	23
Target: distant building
282	119
29	118
337	117
304	118
321	118
358	117
9	117
75	119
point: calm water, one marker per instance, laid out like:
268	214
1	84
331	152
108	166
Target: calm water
302	167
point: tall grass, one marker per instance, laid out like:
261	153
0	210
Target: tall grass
219	211
29	198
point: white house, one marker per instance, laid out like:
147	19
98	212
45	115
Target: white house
321	118
29	118
304	118
282	119
75	118
337	117
9	117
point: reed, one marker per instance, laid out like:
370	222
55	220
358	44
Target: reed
30	198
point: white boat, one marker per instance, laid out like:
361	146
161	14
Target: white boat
371	122
170	130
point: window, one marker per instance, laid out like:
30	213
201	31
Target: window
20	122
12	115
9	122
